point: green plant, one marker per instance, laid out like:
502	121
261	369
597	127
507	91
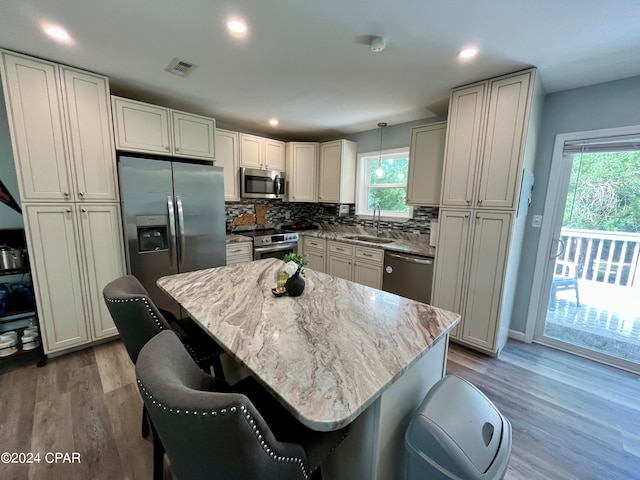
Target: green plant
300	260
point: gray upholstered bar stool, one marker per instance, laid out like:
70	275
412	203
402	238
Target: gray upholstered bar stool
138	320
209	434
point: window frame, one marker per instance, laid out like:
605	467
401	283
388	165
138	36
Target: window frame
362	184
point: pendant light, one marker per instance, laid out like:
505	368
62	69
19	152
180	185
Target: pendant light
380	170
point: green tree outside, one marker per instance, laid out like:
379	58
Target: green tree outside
604	192
385	191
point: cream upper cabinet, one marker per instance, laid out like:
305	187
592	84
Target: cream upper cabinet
60	122
36	122
193	135
250	151
89	127
501	163
302	166
227	157
464	130
142	127
426	158
485	142
274	154
82	244
337	172
261	153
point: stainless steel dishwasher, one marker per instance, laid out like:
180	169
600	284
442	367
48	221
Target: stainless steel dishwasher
407	275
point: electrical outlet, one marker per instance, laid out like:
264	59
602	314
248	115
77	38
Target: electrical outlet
287	215
537	221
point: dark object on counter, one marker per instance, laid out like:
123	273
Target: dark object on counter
295	285
300	226
5	293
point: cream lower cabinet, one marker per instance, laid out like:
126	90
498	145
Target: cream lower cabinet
358	264
368	267
470	270
315	251
239	253
75	251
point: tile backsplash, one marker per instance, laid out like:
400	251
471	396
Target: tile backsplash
327	214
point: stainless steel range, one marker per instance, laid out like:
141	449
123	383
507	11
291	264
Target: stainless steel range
272	243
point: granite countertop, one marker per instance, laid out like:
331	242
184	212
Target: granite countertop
328	354
235	238
410	243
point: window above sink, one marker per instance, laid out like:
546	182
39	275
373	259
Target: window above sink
388	191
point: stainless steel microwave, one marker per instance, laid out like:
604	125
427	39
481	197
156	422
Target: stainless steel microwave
255	183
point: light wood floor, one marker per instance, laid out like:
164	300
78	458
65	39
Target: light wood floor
572	418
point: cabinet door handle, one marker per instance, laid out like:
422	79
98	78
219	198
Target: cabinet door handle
479	201
366	254
167	148
177	149
81	194
468	202
68	210
66	194
83	210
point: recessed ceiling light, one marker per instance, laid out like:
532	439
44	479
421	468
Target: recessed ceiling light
56	32
237	26
273	121
468	52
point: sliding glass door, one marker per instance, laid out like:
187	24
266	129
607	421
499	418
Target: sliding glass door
592	280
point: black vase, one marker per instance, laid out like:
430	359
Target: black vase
295	285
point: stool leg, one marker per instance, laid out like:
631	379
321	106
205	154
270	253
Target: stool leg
145	421
217	367
158	457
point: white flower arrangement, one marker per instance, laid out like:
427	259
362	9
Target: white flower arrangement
290	267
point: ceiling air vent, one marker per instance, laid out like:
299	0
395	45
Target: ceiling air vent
180	67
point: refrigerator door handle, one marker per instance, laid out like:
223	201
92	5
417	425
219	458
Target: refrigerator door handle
172	226
181	250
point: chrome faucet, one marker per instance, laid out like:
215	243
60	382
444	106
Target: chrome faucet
377	207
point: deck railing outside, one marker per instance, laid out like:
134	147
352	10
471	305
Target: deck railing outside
605	257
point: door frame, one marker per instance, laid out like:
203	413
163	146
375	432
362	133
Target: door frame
545	240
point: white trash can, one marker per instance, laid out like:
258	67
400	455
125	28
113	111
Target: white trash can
457	433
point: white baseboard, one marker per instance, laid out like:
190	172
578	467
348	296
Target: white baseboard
516	335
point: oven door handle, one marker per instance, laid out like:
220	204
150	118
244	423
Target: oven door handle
278	248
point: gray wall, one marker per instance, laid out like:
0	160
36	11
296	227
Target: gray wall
394	136
605	105
9	218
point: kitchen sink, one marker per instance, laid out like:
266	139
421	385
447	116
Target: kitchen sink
365	238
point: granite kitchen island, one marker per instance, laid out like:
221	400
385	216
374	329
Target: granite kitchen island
341	353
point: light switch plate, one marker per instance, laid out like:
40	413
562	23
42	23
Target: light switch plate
537	221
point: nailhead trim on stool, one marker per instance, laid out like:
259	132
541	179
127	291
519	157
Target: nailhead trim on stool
248	418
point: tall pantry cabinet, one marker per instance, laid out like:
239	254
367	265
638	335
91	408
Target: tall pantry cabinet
60	124
491	136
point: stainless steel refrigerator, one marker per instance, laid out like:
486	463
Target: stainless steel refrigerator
174	220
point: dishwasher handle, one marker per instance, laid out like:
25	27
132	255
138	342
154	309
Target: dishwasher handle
426	261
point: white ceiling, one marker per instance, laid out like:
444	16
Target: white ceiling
308	62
